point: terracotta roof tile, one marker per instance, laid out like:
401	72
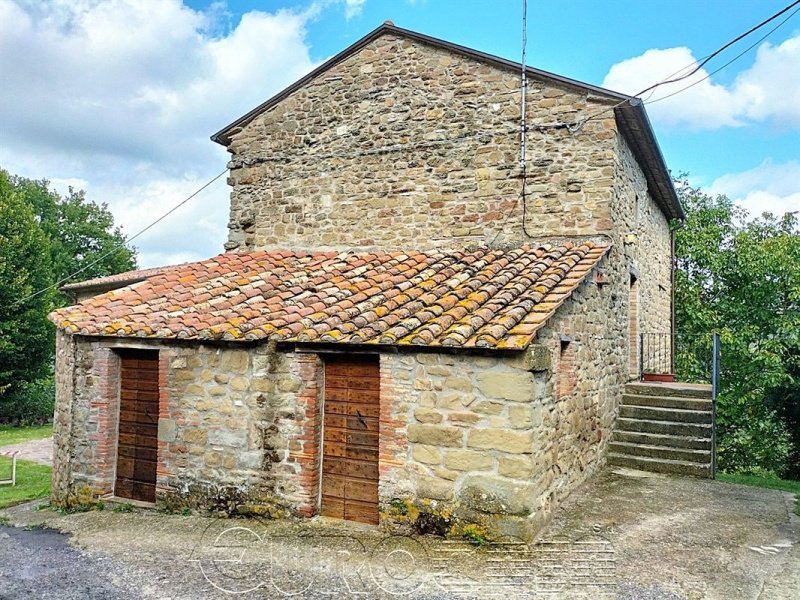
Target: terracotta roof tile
480	298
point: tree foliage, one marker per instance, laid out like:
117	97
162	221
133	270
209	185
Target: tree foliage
44	239
741	277
25	337
79	231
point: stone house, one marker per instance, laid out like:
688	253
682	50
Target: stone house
393	328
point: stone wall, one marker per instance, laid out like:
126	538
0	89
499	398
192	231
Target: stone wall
62	417
649	252
87	405
236	426
321	169
510	437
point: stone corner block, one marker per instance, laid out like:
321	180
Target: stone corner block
435	435
495	495
537	358
516	386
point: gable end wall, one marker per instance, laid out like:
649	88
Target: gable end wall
301	178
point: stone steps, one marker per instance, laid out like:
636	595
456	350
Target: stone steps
666	452
680	390
658	465
697	430
675	415
666	402
658	439
664	428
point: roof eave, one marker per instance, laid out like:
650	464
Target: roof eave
635	125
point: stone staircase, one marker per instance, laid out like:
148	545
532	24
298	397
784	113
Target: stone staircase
664	427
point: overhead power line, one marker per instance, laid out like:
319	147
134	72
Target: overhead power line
122	244
670	79
730	62
738	38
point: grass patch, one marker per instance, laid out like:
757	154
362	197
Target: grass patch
765	481
16	435
33	481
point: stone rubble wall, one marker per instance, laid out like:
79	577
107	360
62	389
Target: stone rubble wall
62	417
232	421
636	212
297	183
493	435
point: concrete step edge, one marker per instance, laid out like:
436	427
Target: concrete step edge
640	397
659	421
661	461
650	389
690	411
669	440
635	425
656	447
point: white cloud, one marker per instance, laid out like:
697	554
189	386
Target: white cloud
767	91
768	187
122	96
353	8
704	106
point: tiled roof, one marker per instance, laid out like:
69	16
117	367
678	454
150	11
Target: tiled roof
478	298
117	280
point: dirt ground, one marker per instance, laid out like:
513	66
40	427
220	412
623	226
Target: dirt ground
623	535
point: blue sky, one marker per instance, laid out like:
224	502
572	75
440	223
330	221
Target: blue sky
119	96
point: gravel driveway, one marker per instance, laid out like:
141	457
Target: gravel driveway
38	451
621	536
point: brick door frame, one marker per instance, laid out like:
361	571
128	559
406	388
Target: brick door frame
108	368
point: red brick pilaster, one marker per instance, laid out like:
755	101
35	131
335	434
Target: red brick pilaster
392	439
101	426
567	375
304	446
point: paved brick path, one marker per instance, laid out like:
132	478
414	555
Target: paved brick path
40	451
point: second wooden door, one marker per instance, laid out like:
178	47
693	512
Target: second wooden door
350	439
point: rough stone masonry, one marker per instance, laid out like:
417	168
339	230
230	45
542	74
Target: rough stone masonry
403	144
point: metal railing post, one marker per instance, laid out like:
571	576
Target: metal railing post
641	356
715	368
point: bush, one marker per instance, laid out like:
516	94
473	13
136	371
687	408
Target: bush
30	404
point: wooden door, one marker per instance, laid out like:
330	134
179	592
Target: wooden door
350	439
137	447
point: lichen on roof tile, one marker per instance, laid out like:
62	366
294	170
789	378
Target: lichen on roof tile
478	298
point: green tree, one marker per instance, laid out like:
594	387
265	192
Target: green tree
46	240
25	335
83	238
741	277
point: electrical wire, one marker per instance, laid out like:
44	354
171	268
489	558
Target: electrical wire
523	163
727	64
669	79
121	245
702	63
